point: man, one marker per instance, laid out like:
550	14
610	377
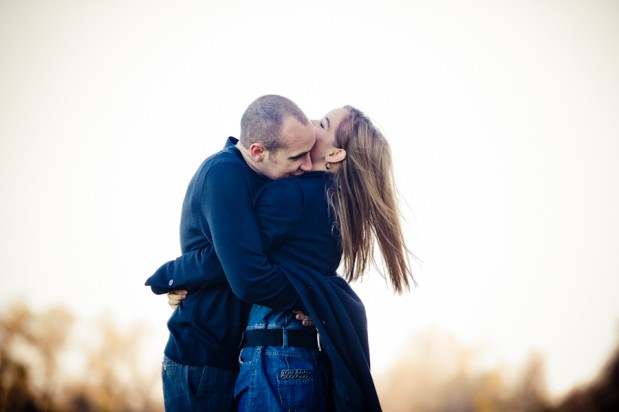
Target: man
219	227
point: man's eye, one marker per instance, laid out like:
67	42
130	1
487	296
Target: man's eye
322	125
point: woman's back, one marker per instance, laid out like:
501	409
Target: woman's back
296	224
279	352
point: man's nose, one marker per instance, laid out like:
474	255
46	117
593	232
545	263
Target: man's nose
306	165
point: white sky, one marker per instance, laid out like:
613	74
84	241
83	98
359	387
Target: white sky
503	118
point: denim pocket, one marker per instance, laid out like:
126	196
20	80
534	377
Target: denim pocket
210	382
195	380
296	389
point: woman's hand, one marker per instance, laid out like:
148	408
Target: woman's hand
306	320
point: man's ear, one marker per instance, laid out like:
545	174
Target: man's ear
257	151
335	155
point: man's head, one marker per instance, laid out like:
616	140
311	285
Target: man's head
276	137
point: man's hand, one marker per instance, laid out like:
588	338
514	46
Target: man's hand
305	319
176	297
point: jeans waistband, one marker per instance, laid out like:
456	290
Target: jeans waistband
283	337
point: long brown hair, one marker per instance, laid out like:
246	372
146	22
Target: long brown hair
363	197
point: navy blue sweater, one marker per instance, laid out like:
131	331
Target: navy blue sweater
219	234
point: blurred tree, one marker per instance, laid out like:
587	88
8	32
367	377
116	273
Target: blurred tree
32	378
531	393
602	395
116	375
39	335
435	374
438	374
15	391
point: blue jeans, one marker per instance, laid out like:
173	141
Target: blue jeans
283	379
196	388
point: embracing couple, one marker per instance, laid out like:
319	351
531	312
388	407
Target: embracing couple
263	322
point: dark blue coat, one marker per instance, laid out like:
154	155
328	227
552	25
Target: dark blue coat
298	233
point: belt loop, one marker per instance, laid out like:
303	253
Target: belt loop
284	338
242	339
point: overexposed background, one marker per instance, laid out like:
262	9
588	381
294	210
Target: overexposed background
503	118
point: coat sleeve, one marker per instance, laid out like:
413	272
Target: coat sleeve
229	213
198	269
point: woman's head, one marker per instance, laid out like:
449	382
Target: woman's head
363	194
325	150
348	130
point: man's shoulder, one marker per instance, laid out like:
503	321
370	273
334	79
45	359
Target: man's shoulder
226	156
224	167
216	173
227	159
